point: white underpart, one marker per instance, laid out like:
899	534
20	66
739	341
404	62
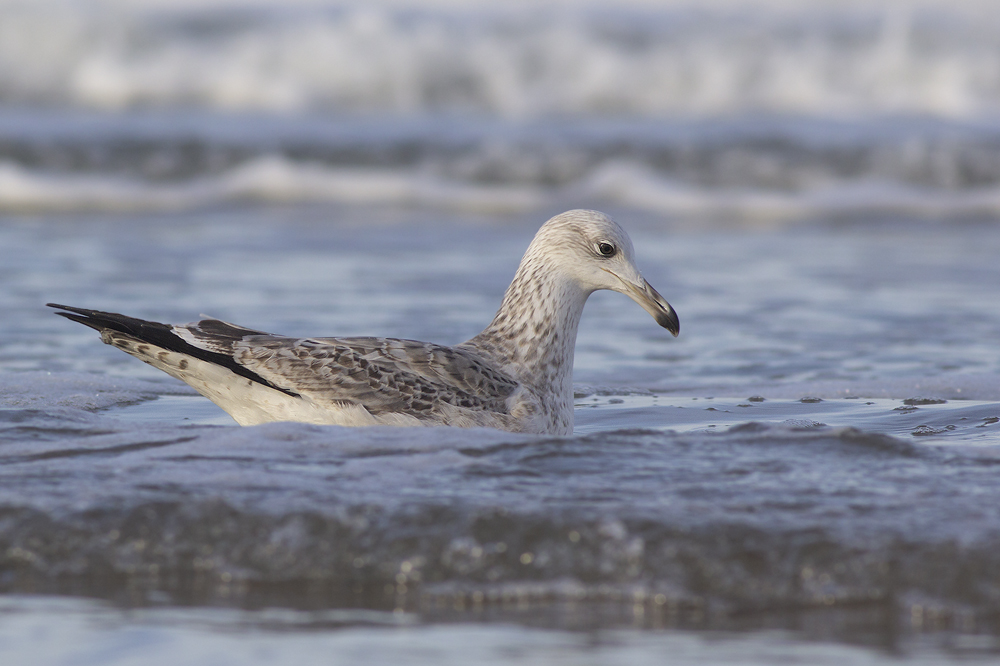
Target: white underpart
247	401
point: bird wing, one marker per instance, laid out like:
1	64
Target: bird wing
384	375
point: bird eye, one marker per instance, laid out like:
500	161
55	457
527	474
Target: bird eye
606	249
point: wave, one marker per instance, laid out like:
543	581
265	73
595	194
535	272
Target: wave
333	516
756	168
267	179
275	179
528	60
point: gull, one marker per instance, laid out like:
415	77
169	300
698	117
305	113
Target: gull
516	375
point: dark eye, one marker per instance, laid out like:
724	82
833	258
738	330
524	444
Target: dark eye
606	249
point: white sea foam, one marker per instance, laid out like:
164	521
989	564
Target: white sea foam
265	179
640	187
153	105
528	59
278	179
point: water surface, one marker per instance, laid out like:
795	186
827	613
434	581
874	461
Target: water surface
807	474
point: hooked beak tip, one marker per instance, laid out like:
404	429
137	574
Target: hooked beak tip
656	305
668	320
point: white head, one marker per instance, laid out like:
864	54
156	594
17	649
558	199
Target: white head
593	251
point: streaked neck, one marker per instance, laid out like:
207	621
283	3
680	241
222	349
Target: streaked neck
533	335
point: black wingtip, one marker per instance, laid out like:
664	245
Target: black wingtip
73	312
78	315
100	320
161	335
70	308
63	307
83	320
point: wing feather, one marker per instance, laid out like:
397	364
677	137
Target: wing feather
383	375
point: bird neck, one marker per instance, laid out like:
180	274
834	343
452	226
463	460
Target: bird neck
533	335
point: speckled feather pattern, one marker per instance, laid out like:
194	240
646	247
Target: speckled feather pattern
384	375
516	375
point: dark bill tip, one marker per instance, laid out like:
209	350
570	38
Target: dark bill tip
656	305
668	320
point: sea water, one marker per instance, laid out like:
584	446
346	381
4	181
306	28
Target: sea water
805	475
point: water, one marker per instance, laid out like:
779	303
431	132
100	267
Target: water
805	475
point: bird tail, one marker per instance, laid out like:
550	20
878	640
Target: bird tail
132	336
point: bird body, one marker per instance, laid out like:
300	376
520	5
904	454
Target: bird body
516	375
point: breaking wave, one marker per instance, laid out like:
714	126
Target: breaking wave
679	57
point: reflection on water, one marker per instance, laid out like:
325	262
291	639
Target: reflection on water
48	631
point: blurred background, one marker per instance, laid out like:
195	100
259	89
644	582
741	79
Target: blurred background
742	111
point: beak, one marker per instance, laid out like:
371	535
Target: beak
654	304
